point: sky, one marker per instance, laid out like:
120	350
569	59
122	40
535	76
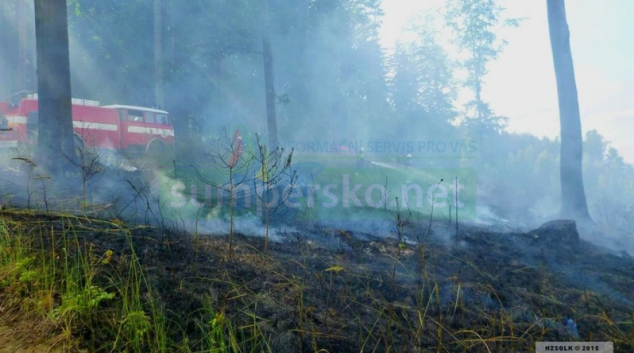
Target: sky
521	82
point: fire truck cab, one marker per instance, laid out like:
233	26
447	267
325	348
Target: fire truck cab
114	127
143	128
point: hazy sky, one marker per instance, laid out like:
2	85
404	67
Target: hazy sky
521	83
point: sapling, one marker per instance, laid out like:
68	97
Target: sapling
229	156
275	171
421	244
456	203
87	161
31	166
431	215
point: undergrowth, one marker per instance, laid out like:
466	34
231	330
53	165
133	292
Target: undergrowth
85	299
96	285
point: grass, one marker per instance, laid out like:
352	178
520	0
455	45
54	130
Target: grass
83	284
84	298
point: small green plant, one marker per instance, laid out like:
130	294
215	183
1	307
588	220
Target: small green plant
59	279
88	162
31	168
228	155
275	171
80	303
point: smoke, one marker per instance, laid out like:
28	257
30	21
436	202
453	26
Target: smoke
339	103
205	211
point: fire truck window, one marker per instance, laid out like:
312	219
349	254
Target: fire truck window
149	117
161	119
135	115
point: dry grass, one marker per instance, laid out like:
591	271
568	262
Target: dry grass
98	285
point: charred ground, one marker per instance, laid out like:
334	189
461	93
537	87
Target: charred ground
325	289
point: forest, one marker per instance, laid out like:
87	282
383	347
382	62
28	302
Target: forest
311	190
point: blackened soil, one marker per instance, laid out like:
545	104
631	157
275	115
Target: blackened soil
480	291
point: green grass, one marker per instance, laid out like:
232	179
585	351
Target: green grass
97	285
85	299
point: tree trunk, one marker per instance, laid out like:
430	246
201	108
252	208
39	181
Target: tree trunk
269	86
21	14
9	48
158	55
55	128
573	198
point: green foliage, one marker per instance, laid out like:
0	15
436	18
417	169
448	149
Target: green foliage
608	180
331	64
474	24
197	35
422	88
81	303
70	290
531	175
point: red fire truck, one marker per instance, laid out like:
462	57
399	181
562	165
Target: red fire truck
113	127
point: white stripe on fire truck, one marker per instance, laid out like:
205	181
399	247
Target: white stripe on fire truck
100	126
96	126
16	119
150	130
7	144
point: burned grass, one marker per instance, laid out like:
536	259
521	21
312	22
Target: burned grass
103	286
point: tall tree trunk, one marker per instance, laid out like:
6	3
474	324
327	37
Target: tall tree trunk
269	78
573	198
9	47
21	13
158	55
53	80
